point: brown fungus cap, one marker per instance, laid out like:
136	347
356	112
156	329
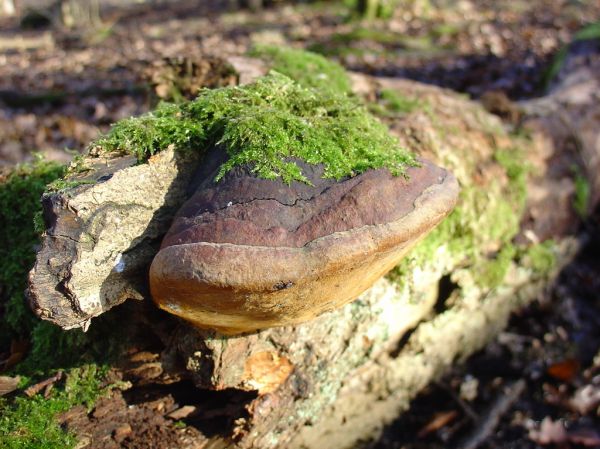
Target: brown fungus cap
246	253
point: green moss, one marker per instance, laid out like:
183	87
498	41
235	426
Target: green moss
54	348
385	37
481	217
368	34
540	257
516	171
20	197
491	272
32	422
61	184
391	103
168	124
266	124
306	68
20	225
582	195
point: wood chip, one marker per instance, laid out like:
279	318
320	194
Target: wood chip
182	412
36	388
8	384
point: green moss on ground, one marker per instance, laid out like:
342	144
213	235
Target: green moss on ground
20	195
20	228
265	124
306	68
33	422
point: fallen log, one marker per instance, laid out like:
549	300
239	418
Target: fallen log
337	379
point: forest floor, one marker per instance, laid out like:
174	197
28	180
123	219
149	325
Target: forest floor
59	89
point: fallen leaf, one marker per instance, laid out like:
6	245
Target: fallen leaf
18	349
565	370
182	412
36	388
549	432
585	437
585	399
438	421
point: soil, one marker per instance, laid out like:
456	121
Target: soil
60	88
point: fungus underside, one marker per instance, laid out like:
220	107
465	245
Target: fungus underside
267	125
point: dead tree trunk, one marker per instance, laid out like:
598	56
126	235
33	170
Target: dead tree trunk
339	378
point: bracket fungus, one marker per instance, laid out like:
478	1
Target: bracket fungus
246	253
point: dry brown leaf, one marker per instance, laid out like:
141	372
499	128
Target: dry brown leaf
550	432
439	420
585	399
565	370
36	388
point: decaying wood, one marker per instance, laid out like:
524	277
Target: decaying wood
339	378
103	233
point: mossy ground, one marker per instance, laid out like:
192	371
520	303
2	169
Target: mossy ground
20	195
265	124
31	422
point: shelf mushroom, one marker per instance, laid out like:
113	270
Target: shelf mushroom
245	253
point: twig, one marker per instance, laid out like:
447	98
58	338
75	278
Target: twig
466	408
35	389
492	415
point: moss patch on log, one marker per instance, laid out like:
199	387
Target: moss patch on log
490	166
391	103
307	68
482	215
267	124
